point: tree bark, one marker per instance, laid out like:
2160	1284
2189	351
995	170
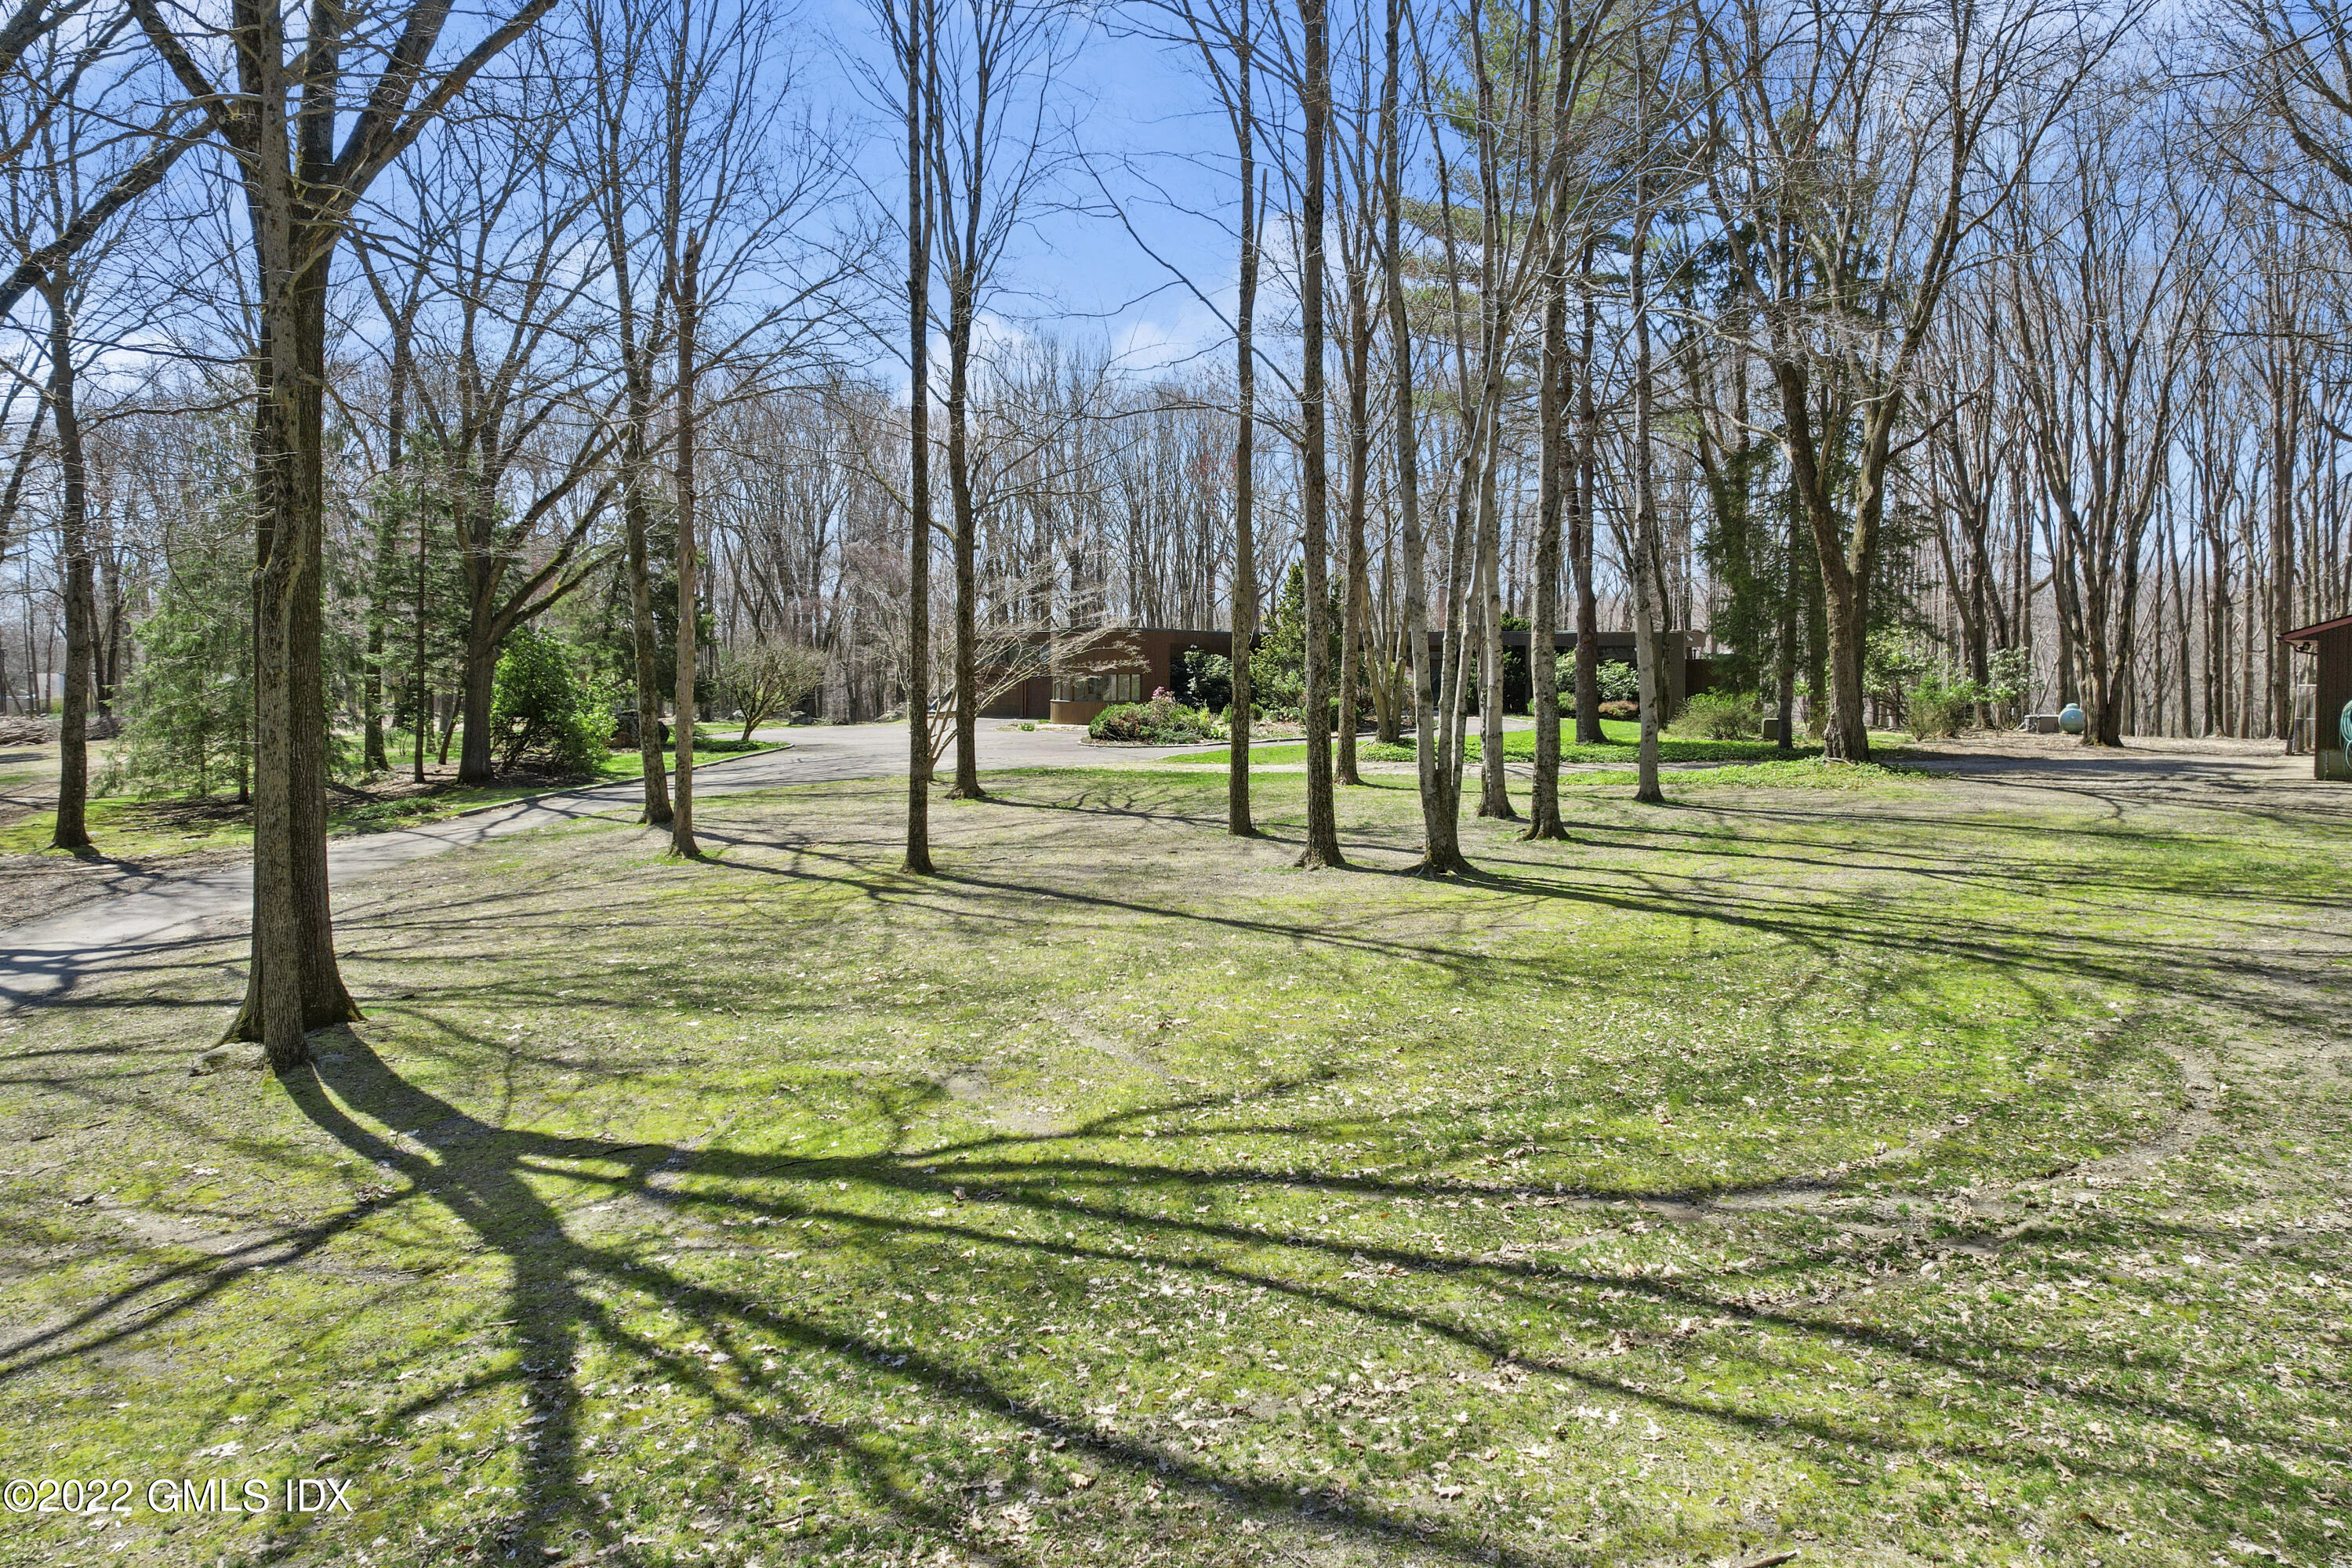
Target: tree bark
918	481
1645	512
1579	537
1440	850
1322	848
294	984
1239	821
1356	593
635	465
966	541
690	304
72	830
1551	453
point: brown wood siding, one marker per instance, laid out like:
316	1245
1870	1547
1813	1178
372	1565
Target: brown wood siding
2333	679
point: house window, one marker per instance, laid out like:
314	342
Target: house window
1098	689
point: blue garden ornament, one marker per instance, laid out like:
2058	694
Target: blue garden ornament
2344	731
2071	719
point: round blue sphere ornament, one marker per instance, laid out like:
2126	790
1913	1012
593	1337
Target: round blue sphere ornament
2071	719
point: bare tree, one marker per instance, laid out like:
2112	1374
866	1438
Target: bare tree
1856	149
2104	315
293	93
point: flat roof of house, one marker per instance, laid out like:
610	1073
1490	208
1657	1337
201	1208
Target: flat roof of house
2311	633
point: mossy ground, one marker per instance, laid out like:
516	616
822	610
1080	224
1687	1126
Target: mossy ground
1895	1175
129	829
1620	738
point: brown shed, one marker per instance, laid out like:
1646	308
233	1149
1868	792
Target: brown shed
2330	643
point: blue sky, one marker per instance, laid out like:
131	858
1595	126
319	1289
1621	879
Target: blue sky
1143	120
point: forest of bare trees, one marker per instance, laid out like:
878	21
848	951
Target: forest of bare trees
1988	349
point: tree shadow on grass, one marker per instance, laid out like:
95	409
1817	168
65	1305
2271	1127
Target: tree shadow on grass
486	1178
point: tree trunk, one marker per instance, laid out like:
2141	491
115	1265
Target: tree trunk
681	819
1322	847
387	541
72	831
1355	600
476	764
1442	850
1785	687
966	542
2286	402
1238	820
294	984
634	464
1551	452
1645	513
919	476
1580	538
1493	782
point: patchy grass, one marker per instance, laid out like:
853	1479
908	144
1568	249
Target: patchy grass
1895	1179
1803	773
156	829
138	829
1621	737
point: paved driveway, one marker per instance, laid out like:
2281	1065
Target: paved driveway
45	958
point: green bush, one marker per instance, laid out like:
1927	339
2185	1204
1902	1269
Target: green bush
1717	716
1616	680
1162	721
1940	707
541	710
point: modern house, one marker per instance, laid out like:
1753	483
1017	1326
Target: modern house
1127	664
2330	645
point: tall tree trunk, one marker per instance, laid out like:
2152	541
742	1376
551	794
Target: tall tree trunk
2286	404
1322	847
1645	513
423	695
1356	601
1442	850
1494	781
690	306
919	467
1238	820
636	477
1580	534
1785	683
387	543
72	830
476	763
966	541
1551	452
294	984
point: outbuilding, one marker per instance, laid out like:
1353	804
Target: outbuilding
2330	645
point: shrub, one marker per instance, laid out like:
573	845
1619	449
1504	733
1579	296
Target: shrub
766	678
1940	707
1621	708
1278	668
1718	716
540	709
1162	721
1616	680
1207	680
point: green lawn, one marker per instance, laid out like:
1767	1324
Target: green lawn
1622	736
145	829
1892	1178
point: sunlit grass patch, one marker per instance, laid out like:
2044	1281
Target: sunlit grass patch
1756	1172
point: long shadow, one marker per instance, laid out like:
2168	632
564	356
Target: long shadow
481	1180
484	1178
